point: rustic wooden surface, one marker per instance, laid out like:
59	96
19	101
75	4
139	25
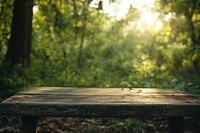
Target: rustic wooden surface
99	102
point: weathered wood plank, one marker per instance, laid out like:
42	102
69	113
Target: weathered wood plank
99	110
100	91
100	102
63	95
103	99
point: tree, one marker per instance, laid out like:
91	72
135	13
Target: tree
19	45
185	25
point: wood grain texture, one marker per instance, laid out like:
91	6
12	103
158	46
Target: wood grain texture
101	102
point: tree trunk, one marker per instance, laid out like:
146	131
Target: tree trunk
84	21
19	45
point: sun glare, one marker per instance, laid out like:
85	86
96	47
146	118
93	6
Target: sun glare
35	9
148	18
119	9
142	3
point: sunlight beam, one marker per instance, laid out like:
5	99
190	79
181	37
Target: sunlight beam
119	9
148	18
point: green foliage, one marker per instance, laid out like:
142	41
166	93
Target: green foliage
86	48
5	24
77	45
125	126
11	80
114	125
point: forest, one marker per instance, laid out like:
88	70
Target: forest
82	43
99	43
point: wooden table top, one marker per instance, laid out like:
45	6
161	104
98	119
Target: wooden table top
100	102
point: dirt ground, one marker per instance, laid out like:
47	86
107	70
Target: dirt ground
99	125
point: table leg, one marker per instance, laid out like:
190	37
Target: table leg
176	125
29	124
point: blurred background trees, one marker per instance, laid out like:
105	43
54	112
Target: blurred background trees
85	43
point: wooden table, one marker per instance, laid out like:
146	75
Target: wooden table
100	102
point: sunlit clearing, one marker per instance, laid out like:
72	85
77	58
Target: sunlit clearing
142	3
159	25
119	9
169	16
35	9
148	18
